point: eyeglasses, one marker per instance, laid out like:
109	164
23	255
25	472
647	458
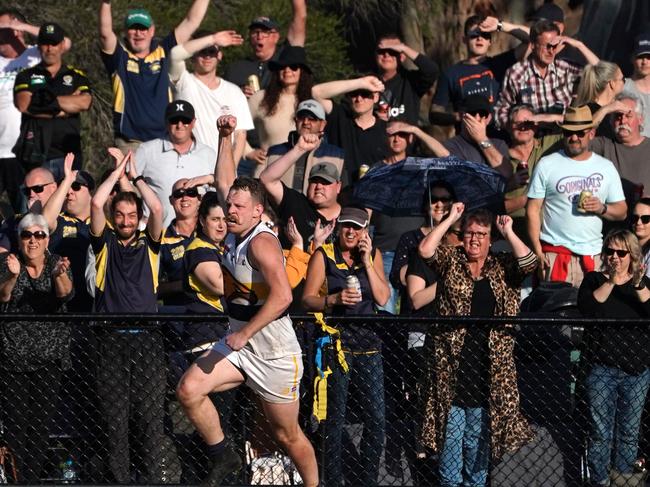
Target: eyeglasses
645	219
440	199
361	93
522	126
177	120
262	33
189	192
76	186
621	253
475	34
38	235
478	235
208	52
37	188
579	133
550	47
386	51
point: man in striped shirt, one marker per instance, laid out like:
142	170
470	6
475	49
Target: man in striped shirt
542	81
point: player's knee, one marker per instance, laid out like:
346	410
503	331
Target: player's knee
288	436
187	391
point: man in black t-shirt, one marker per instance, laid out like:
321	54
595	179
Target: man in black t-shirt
479	74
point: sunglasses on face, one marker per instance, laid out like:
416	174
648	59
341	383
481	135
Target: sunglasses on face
578	133
177	120
522	126
440	199
76	186
643	56
475	34
353	226
38	235
360	93
292	67
208	52
550	47
189	192
37	188
387	51
621	253
478	113
645	219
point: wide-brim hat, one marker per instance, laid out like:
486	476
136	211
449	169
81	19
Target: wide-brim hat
577	118
290	56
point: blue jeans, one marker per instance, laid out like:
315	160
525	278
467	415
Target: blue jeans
391	305
366	377
464	458
615	399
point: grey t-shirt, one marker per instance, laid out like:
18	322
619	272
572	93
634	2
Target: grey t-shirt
630	162
467	150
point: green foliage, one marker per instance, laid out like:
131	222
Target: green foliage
326	47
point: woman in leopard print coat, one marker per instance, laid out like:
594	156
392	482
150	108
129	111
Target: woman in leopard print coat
472	400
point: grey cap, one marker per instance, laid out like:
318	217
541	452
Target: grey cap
313	107
350	214
325	170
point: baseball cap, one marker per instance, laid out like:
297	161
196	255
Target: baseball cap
549	11
313	107
642	44
350	214
325	170
179	108
50	34
138	16
84	177
264	22
475	103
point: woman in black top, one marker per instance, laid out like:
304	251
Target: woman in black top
618	357
33	354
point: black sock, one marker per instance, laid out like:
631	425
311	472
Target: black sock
216	449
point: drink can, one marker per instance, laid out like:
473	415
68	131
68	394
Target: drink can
352	282
522	165
363	169
584	194
254	82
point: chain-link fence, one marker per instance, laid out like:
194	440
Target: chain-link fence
439	398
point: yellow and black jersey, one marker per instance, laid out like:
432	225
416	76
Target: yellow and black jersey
200	299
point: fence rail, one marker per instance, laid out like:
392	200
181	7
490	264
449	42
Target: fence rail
101	409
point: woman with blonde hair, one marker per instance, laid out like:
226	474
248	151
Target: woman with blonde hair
617	356
599	85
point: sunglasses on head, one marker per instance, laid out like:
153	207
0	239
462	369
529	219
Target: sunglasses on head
177	120
475	34
645	219
37	188
521	126
578	133
390	52
208	52
189	192
621	253
361	93
76	186
38	235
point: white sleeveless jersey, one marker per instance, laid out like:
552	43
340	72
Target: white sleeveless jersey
245	291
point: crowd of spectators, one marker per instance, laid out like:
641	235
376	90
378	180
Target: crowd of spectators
563	129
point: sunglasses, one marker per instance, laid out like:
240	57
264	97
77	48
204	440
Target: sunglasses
208	52
384	51
177	120
38	235
475	34
643	56
578	133
361	93
37	188
440	199
550	47
521	126
76	186
292	67
189	192
621	253
645	219
478	113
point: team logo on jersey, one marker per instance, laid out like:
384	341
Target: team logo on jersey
177	252
69	231
37	79
155	67
132	66
67	80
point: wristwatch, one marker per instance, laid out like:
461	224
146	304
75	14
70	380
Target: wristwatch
485	144
640	286
136	179
499	26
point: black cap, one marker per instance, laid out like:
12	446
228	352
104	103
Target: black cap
642	44
179	108
475	103
84	178
263	22
290	56
548	11
50	34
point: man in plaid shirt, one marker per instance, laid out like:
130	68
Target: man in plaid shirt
542	81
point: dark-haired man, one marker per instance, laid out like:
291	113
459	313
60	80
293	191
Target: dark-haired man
262	350
131	379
